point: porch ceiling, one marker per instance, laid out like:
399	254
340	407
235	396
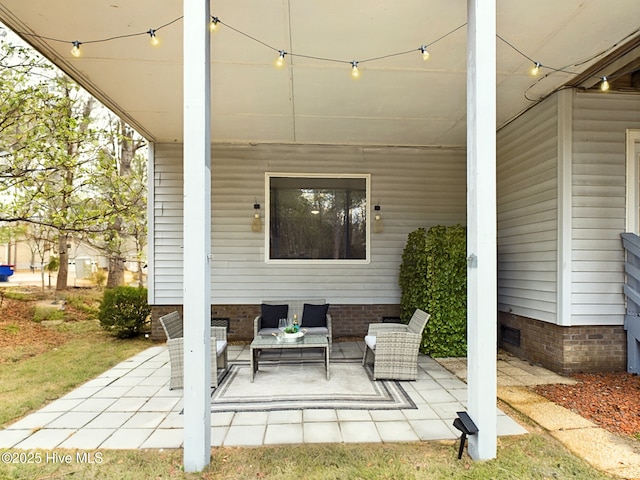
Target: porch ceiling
401	100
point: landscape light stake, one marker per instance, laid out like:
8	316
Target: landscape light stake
466	426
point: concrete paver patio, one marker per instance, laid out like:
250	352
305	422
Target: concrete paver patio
130	406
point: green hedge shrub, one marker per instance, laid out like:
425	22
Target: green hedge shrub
433	277
413	275
124	311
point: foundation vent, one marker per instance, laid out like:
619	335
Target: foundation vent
510	335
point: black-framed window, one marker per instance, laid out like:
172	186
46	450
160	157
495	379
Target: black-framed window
318	217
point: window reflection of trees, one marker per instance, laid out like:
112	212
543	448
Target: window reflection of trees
314	218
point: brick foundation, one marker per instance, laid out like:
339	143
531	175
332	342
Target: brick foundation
564	350
346	320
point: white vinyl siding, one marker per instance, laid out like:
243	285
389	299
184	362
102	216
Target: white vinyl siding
415	187
600	122
527	191
528	209
166	209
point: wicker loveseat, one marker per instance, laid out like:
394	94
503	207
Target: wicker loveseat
312	316
173	328
395	347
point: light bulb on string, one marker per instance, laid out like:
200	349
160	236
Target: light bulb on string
604	86
214	23
280	59
535	69
425	53
75	51
155	41
355	73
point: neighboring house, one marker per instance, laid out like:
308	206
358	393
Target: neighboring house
561	165
83	258
24	255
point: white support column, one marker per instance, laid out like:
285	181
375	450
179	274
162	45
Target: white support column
197	236
481	226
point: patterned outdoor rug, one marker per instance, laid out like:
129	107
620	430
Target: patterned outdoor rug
298	386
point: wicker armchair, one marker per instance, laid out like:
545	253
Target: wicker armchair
394	347
173	328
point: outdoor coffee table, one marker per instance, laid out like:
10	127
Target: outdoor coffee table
271	342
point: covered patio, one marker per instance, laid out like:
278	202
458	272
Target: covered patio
130	406
409	122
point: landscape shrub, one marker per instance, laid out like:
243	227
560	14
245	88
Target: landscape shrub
98	278
433	278
124	311
413	275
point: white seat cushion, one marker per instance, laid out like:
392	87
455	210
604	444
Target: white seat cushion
316	330
268	331
370	341
220	346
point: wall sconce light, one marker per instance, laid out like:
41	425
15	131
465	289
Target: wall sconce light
256	224
378	224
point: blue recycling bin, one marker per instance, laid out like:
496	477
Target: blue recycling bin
5	272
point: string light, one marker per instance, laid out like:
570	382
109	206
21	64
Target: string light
423	48
155	41
280	59
215	21
213	25
536	69
604	86
425	53
355	73
75	51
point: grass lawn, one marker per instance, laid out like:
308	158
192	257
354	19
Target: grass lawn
31	383
534	456
68	351
42	359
